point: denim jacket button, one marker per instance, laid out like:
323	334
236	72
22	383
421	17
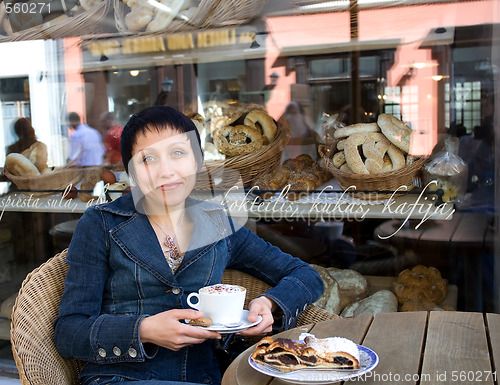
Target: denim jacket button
117	351
102	352
132	352
176	290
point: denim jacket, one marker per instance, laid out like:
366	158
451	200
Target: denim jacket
118	275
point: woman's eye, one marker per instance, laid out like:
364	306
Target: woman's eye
147	158
178	153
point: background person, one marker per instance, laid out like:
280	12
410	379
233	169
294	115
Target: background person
26	134
85	144
113	133
125	296
303	139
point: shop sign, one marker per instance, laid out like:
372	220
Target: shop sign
179	42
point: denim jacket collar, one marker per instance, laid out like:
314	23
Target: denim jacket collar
210	225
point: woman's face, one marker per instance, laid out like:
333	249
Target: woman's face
164	166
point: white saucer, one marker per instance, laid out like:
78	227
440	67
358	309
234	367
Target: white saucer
245	324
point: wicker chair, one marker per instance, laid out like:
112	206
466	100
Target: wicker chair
36	308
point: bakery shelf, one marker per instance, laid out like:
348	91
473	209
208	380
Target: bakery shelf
325	206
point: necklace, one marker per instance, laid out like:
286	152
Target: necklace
171	252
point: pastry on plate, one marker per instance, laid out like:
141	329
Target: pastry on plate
286	355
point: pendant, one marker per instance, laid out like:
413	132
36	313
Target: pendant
171	248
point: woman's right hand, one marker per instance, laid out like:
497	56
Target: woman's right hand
164	329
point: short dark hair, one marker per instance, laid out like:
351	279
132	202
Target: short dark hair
73	117
158	118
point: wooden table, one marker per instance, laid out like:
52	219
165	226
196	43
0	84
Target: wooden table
413	348
459	248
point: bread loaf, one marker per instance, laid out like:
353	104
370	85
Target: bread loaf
352	285
19	165
37	154
383	301
330	299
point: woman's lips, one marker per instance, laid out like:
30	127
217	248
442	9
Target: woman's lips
170	186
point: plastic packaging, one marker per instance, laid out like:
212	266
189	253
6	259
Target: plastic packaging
448	172
329	124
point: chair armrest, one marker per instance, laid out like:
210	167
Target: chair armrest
314	314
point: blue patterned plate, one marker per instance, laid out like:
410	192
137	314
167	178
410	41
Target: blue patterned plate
368	362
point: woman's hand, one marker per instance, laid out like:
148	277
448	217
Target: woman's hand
164	329
264	307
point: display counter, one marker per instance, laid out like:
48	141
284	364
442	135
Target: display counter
327	203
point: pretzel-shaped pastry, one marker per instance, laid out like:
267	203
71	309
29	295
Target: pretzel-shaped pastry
218	122
357	128
338	159
139	16
260	118
165	15
229	141
345	168
396	131
375	146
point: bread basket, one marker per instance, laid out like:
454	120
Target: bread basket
209	13
250	165
45	184
374	186
72	23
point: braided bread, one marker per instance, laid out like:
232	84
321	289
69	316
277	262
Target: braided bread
300	173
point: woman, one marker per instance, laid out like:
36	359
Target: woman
132	263
303	140
26	134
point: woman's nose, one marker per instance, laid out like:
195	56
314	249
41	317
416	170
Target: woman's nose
167	167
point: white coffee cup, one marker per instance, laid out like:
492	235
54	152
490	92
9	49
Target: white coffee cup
222	303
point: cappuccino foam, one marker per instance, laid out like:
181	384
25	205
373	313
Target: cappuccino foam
221	288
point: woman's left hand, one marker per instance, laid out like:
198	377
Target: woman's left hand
264	307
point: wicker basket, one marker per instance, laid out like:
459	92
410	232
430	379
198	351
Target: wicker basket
249	165
231	12
80	23
371	185
209	13
55	180
302	3
256	287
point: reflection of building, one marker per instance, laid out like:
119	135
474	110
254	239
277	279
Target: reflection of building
428	72
425	71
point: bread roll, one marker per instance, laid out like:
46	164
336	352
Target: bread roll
37	154
420	281
19	165
383	301
352	285
330	300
